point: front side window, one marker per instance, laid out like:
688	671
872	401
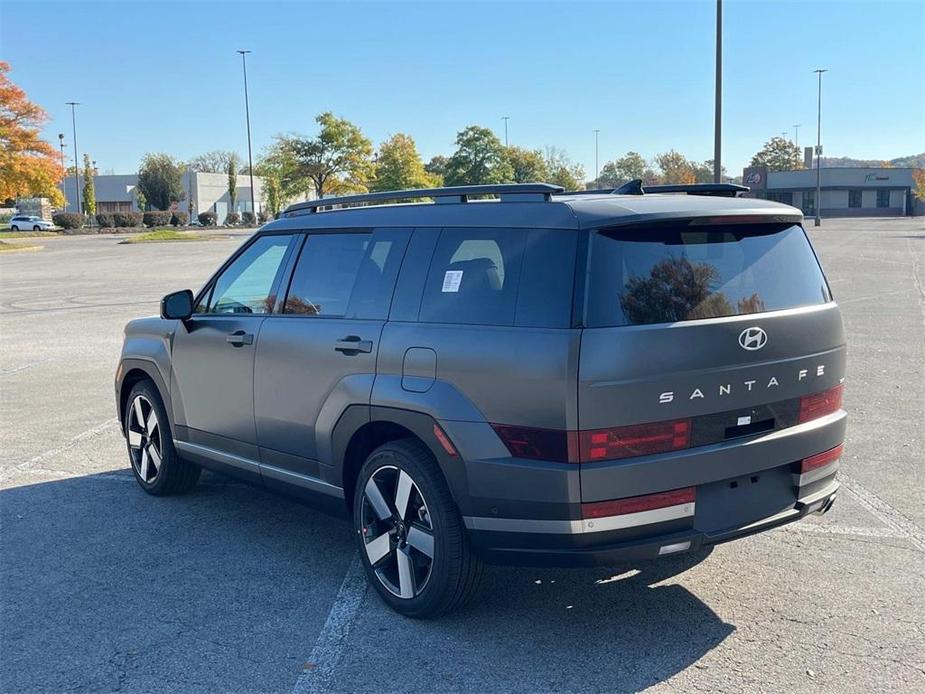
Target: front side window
246	286
474	277
671	273
326	272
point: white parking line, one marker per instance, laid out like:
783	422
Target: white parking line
885	513
318	674
83	436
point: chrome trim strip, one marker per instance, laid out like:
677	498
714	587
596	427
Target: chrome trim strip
218	456
816	475
580	527
304	481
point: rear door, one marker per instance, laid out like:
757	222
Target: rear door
318	355
722	326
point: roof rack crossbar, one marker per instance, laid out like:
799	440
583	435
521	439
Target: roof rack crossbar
508	192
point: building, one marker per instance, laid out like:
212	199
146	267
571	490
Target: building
207	191
846	192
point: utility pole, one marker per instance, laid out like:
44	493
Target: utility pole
505	119
74	105
796	136
818	201
597	170
718	115
247	113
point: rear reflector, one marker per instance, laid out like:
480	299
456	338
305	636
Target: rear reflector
635	504
821	459
639	439
820	404
553	445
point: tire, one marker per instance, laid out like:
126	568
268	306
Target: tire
14	228
148	441
405	471
36	228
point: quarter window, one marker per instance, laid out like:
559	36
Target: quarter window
247	285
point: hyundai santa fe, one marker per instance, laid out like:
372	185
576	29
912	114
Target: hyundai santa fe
505	374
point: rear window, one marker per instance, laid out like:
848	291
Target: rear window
678	273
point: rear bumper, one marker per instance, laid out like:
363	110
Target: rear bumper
578	545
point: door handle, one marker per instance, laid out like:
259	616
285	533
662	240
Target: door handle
352	344
240	338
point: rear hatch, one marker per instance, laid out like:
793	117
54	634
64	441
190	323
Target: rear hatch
699	334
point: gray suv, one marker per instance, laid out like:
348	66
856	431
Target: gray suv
507	374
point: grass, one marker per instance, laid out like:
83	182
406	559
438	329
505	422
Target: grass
7	247
162	235
27	234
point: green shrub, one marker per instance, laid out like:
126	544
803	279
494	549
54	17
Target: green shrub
126	219
207	219
156	218
179	219
105	219
69	220
262	217
248	218
232	219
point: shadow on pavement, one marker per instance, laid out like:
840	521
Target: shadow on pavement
106	588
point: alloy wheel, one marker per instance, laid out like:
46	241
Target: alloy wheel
144	439
397	532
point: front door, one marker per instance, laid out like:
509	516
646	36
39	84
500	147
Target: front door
318	356
213	354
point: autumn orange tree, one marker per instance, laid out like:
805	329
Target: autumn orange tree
29	166
918	176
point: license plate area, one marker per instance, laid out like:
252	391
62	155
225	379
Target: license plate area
738	501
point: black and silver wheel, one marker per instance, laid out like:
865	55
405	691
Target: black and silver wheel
411	536
14	228
157	467
36	228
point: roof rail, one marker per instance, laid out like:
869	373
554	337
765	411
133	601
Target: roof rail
508	192
636	187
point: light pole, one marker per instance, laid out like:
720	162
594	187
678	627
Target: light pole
597	170
505	119
74	105
818	200
247	113
718	108
796	135
61	145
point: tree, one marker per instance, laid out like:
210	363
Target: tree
629	167
918	177
271	192
89	193
215	161
140	198
160	180
675	168
399	166
336	161
479	158
232	182
562	172
778	154
29	166
528	165
437	167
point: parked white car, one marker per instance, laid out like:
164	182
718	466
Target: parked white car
29	223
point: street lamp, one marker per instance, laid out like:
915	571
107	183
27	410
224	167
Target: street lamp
818	200
247	113
505	119
74	105
718	107
597	170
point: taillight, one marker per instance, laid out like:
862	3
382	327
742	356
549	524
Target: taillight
539	444
820	404
638	439
635	504
821	459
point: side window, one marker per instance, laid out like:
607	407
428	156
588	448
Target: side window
474	277
326	272
246	286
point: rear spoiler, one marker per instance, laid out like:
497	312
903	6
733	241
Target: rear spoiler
636	187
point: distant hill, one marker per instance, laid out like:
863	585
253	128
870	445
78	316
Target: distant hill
914	161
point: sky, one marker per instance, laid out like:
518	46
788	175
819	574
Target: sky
164	76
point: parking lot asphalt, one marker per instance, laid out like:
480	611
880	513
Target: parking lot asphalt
231	589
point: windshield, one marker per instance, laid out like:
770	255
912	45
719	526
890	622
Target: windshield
678	273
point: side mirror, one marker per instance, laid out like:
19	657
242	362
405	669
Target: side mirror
178	305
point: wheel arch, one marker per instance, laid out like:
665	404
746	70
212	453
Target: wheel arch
131	371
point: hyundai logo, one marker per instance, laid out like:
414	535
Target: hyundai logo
753	338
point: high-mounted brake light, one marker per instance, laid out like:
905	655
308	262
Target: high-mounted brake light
554	445
821	459
820	404
637	504
638	439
